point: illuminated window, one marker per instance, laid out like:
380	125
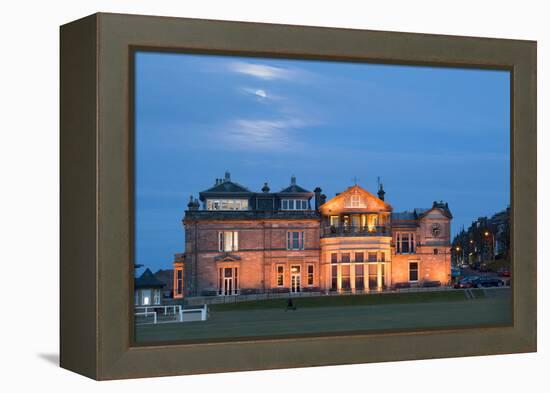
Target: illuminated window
405	243
359	277
228	241
346	283
227	204
179	282
413	271
295	240
294	204
373	276
280	276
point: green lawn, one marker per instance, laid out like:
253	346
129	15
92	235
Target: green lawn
345	300
406	311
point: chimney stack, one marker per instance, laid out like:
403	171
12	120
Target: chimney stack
317	192
293	180
227	176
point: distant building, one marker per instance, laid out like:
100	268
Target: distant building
486	239
242	242
147	289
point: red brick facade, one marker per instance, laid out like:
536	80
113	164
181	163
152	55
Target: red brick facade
351	243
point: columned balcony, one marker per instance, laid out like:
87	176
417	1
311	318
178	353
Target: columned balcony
353	230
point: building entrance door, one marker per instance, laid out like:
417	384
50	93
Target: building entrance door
228	281
227	286
295	279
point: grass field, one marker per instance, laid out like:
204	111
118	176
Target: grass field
343	301
334	315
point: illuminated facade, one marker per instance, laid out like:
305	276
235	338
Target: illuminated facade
240	242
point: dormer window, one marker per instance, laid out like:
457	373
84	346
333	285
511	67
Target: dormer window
227	204
294	204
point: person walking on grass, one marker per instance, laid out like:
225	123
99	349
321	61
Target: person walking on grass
290	305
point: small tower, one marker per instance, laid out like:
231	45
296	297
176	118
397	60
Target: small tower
381	192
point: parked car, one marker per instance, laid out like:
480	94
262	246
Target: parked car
399	285
455	272
466	282
483	268
488	282
503	272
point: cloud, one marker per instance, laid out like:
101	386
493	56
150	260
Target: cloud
264	135
264	72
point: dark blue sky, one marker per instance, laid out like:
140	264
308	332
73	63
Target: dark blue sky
429	133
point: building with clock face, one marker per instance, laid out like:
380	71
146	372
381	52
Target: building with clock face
241	242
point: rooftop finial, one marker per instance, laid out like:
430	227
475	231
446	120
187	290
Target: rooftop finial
227	176
381	192
265	188
293	180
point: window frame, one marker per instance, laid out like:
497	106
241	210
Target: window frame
310	276
222	241
410	240
417	270
280	275
292	204
290	240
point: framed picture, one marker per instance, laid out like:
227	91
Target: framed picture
242	196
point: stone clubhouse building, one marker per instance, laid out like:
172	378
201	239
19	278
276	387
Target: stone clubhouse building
240	242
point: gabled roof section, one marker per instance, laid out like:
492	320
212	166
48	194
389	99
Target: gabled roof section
340	203
437	206
294	188
147	280
225	187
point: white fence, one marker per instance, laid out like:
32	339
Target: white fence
168	314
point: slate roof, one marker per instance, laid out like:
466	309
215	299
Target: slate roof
147	280
227	186
401	216
294	189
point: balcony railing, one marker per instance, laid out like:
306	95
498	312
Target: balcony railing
352	230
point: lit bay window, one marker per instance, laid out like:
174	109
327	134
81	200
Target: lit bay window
228	241
295	240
